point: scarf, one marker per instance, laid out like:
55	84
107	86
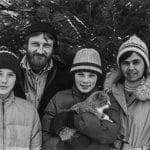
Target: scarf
132	86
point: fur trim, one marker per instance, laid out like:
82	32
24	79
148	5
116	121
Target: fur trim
112	77
143	91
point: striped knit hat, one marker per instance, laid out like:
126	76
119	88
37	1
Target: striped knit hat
134	44
87	59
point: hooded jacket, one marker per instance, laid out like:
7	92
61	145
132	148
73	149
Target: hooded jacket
94	133
20	127
135	115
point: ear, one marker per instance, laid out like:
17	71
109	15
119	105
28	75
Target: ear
25	46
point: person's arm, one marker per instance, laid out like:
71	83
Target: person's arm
48	138
101	131
36	136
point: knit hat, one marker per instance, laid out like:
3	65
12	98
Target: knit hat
134	44
44	27
9	60
87	59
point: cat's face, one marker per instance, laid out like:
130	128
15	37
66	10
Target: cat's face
99	100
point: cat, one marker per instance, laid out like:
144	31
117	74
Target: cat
95	104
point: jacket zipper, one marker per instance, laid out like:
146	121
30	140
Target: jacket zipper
3	126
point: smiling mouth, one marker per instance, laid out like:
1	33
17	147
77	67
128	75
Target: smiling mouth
85	86
3	87
131	74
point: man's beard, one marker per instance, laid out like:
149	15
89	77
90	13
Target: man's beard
37	61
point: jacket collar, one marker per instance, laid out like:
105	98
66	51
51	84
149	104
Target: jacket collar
9	100
78	96
25	64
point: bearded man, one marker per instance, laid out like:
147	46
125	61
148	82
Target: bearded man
43	75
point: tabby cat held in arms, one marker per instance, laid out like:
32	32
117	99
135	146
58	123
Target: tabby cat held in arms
95	104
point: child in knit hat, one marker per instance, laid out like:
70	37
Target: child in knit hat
70	121
20	125
131	88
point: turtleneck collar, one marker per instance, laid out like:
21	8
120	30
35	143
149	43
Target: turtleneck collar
9	98
132	86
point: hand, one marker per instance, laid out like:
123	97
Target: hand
66	133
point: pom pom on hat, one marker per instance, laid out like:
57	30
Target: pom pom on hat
134	44
87	59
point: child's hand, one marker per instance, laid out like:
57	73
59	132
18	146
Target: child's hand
67	133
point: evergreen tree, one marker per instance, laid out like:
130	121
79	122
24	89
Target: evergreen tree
101	24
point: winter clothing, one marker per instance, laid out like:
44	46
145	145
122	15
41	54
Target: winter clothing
134	44
87	59
43	27
132	86
10	61
35	83
135	115
94	134
20	127
58	78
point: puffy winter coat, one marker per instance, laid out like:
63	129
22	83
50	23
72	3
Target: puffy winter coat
94	133
20	127
135	116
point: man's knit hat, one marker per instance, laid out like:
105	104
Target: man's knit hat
134	44
10	61
43	27
87	59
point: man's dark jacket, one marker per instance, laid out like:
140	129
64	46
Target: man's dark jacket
58	78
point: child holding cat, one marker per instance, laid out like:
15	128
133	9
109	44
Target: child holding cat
84	129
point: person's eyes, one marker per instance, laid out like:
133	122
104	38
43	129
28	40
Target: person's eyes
136	62
92	75
35	44
47	45
11	74
125	63
80	74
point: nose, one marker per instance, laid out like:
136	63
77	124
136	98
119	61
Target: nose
131	66
86	79
40	49
4	79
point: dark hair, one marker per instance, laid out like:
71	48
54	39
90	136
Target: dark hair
127	55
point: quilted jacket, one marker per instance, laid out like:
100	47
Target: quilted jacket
20	127
94	133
